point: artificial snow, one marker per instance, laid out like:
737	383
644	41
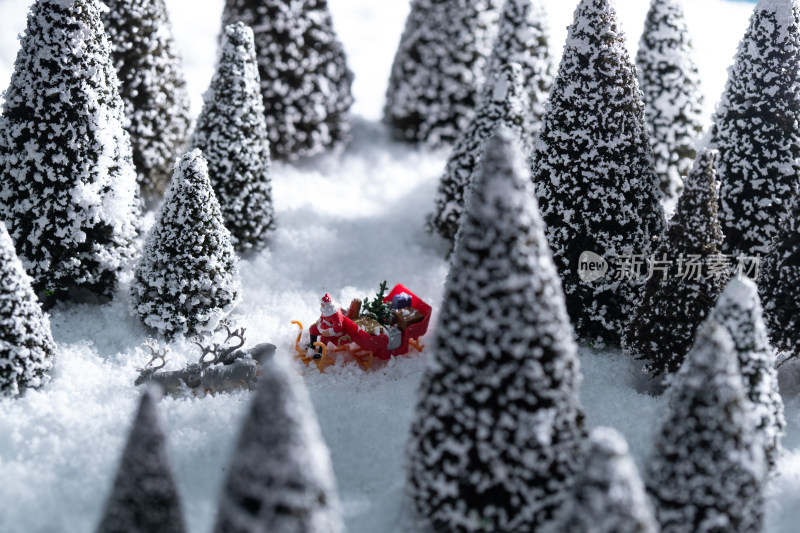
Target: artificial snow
346	223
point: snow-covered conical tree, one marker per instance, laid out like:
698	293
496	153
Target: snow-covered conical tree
232	134
144	497
305	82
496	434
280	478
706	474
26	344
152	86
523	37
593	170
779	289
439	68
504	105
609	496
738	309
675	301
672	96
188	277
67	181
756	132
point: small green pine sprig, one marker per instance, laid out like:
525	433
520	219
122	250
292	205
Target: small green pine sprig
377	308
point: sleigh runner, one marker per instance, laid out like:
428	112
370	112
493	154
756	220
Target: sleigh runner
394	324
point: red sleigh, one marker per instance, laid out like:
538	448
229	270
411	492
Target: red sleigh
363	346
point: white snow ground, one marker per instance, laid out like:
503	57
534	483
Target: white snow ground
347	222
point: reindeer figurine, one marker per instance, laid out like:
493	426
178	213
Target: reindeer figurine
221	367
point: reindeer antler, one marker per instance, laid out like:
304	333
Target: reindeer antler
218	351
161	354
205	352
235	334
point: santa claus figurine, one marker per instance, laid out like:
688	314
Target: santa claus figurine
330	325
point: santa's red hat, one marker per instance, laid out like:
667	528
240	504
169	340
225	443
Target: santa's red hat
327	298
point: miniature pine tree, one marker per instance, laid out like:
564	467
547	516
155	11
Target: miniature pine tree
438	69
280	478
594	173
708	466
377	309
232	134
779	289
305	82
523	37
188	277
67	182
674	302
144	497
152	86
504	105
739	311
609	496
755	131
496	433
26	344
671	86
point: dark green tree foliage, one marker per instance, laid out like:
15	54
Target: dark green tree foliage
756	132
438	69
738	309
26	345
188	277
523	37
280	479
780	290
305	82
232	134
593	170
377	308
707	471
152	86
672	96
67	182
505	105
609	496
662	327
496	434
144	498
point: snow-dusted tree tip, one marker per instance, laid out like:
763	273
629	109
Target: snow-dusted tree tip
608	496
675	301
505	104
523	37
438	69
594	173
152	86
739	311
67	181
280	477
232	134
672	95
501	394
759	146
708	469
26	344
305	82
188	277
144	497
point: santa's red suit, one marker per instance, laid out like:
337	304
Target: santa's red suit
330	325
